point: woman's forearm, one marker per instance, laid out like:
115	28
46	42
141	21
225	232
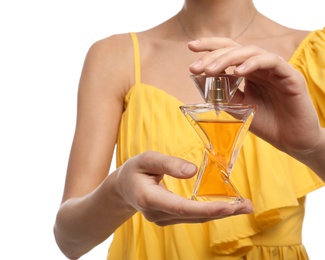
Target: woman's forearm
83	223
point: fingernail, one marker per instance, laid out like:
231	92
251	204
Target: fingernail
240	68
196	64
195	42
188	168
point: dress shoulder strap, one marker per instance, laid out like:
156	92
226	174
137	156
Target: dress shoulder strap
137	64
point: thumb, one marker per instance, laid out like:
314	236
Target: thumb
159	164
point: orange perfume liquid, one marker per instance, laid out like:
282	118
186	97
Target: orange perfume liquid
214	181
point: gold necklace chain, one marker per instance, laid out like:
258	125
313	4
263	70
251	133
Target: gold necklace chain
236	37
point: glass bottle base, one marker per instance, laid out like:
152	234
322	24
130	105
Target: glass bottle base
231	200
213	183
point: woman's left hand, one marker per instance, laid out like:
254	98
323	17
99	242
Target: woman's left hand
285	116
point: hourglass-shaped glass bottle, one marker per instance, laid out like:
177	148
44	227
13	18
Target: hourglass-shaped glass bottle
222	127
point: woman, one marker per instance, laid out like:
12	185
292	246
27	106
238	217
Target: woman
130	91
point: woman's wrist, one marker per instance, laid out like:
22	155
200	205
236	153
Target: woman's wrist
115	195
315	160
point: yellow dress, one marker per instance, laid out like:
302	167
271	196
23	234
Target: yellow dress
276	183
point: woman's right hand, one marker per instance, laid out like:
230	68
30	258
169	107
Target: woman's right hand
139	183
95	204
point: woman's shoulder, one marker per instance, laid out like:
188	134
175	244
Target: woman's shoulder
279	38
311	48
110	61
310	41
117	47
113	44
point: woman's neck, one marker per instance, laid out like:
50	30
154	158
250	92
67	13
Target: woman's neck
222	18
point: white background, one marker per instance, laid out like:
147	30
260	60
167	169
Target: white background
43	45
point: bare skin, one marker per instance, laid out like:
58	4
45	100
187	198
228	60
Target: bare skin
95	204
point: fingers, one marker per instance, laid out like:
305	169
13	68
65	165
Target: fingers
199	212
221	53
213	48
210	44
142	190
138	180
168	208
249	57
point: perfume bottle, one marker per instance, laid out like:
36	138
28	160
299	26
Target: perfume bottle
222	127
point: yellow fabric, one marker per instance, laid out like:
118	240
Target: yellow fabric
276	183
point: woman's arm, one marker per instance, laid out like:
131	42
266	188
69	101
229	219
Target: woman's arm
94	203
81	223
285	116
